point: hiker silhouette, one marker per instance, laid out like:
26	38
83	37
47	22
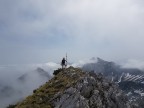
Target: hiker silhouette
63	63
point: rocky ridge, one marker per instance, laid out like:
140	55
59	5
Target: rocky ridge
130	80
73	88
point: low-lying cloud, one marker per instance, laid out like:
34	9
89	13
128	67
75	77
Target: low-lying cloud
19	81
134	64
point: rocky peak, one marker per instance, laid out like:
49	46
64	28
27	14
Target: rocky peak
105	63
73	88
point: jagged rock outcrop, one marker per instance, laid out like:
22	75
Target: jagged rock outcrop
130	80
73	88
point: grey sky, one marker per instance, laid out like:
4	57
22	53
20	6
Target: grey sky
36	31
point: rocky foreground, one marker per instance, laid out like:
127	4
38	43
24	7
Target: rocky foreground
73	88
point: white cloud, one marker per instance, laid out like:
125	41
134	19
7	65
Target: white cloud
134	64
110	29
80	63
18	90
94	18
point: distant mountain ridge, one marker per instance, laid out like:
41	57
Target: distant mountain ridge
39	71
130	80
114	71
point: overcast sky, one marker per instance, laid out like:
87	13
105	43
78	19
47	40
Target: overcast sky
38	31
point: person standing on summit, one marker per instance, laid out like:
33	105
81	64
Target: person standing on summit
63	63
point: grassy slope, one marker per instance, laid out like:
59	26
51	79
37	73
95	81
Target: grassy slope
42	96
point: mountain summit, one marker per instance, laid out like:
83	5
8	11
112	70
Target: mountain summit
73	88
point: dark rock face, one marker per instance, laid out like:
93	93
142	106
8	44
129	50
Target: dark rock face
134	91
113	71
91	91
108	69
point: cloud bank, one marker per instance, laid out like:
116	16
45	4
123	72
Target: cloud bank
34	31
